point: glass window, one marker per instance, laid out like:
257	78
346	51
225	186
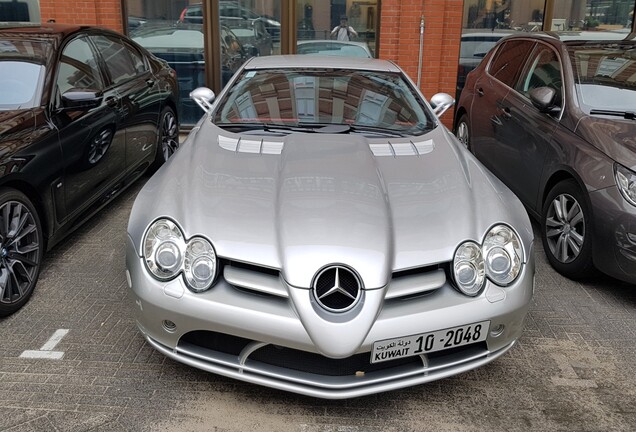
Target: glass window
605	75
117	57
508	60
78	68
544	70
340	21
22	72
301	97
487	21
611	17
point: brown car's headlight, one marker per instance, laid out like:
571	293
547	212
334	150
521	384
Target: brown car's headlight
626	182
167	253
499	259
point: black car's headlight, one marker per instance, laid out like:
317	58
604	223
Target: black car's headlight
499	259
626	182
167	253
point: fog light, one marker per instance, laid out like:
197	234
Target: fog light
497	331
169	326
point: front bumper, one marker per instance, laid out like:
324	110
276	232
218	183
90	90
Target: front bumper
614	227
168	315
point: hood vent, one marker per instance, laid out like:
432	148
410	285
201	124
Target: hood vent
255	146
410	148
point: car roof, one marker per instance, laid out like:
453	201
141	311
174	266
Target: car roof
53	30
321	62
575	37
330	41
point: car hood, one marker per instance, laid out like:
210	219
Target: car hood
300	202
614	137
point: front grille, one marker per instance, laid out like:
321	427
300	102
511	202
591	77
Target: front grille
208	342
320	365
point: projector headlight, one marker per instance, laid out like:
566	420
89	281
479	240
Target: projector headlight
626	182
468	268
502	255
163	249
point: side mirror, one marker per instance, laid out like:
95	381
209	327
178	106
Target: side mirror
203	96
253	51
441	102
80	100
543	99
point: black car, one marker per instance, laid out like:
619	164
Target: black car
554	117
83	113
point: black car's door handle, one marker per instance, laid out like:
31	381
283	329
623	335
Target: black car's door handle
480	91
112	101
150	82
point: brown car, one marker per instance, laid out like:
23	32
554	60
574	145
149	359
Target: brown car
553	116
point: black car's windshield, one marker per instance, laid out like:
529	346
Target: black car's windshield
22	72
605	76
366	102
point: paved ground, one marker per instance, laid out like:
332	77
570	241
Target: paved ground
573	370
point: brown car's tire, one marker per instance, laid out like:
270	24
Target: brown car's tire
21	250
566	228
462	132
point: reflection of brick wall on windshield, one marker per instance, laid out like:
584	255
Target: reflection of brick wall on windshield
103	13
400	39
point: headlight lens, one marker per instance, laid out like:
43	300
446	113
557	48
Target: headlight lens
163	249
626	182
502	255
200	264
468	268
166	254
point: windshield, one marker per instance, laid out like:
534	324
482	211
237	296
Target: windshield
311	97
605	76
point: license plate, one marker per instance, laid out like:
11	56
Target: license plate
407	346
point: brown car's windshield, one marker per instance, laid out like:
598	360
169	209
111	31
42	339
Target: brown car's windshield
605	76
356	100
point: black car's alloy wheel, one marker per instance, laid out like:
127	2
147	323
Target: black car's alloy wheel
21	249
567	230
168	134
99	145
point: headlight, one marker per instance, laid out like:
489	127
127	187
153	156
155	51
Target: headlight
468	268
626	182
200	264
163	249
502	255
167	254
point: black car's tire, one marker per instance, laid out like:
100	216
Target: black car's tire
168	137
567	230
462	132
21	250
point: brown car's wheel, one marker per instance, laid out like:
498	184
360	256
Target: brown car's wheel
462	132
567	230
168	137
21	249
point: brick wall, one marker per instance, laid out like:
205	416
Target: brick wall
103	13
400	39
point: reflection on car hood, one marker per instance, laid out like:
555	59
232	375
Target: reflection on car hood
616	137
317	199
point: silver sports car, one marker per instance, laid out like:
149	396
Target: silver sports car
321	232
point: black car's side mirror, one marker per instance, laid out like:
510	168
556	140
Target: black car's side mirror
543	99
81	100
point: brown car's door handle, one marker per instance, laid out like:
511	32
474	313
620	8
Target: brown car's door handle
480	91
505	112
150	82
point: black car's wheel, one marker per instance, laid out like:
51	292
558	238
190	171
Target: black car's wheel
462	132
21	249
567	231
98	146
168	137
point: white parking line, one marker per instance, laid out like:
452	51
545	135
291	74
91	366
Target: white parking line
46	352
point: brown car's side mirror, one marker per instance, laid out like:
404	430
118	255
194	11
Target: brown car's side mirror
543	99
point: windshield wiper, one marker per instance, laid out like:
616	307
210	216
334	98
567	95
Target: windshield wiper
629	115
273	127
